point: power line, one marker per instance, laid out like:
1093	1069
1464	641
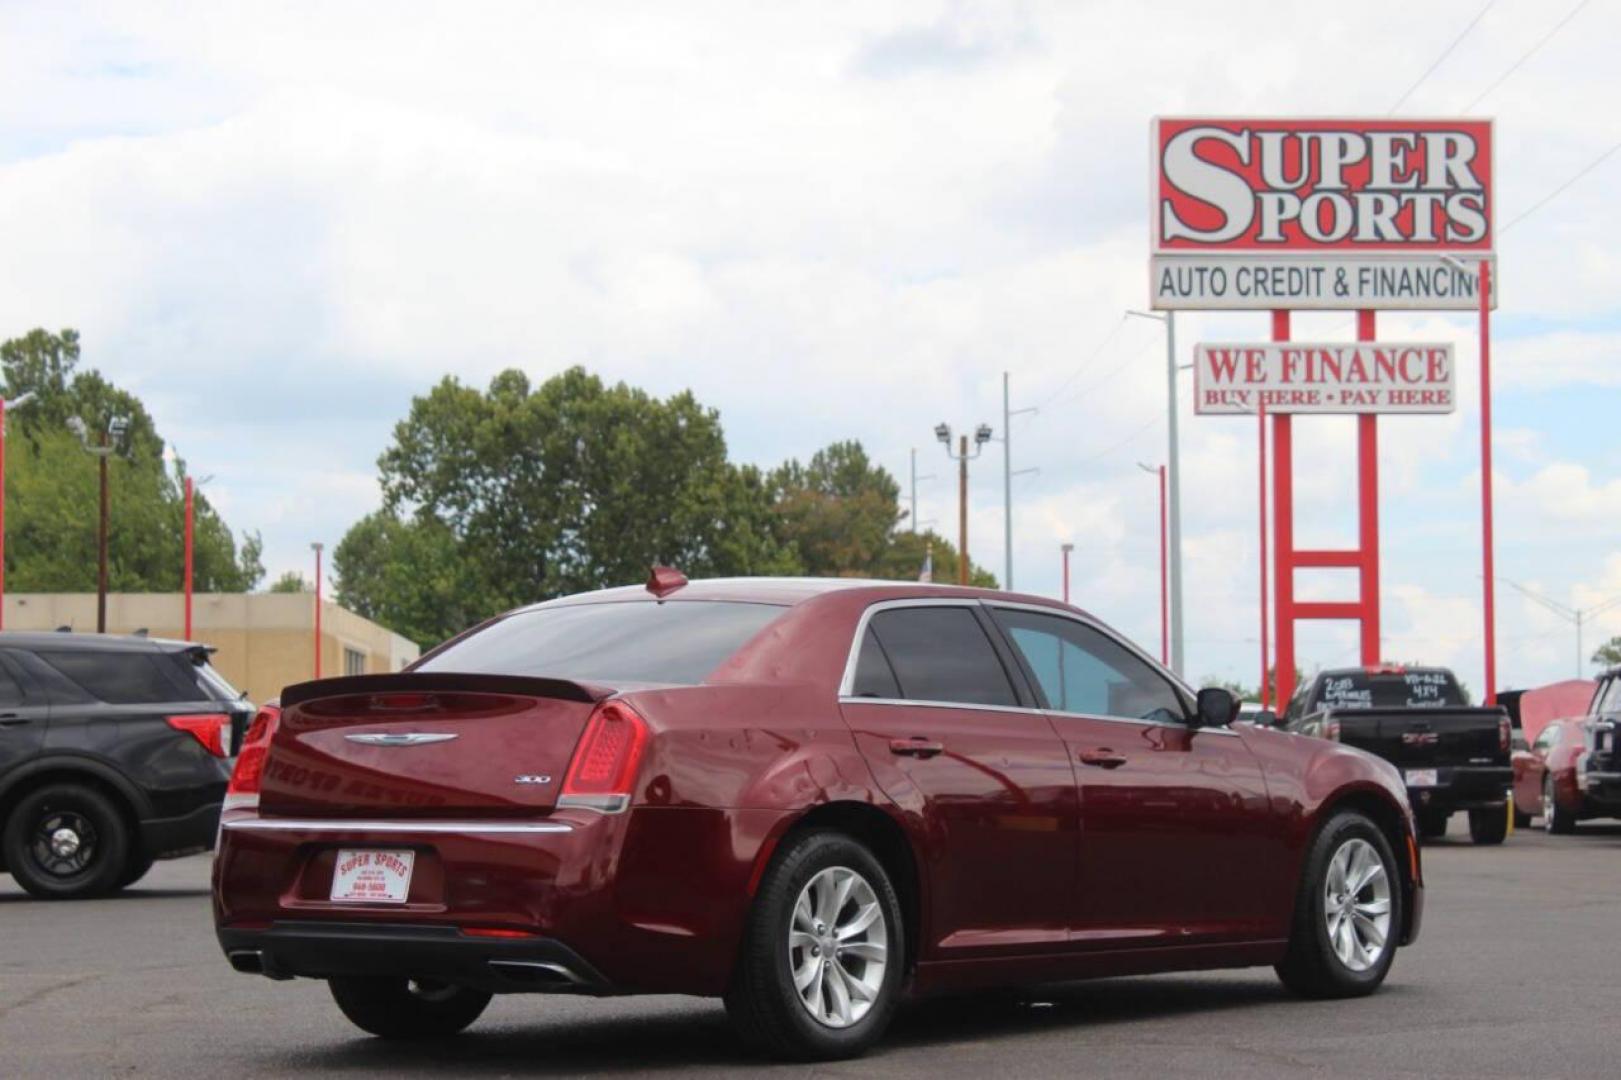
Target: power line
1548	198
1112	372
1532	51
1091	356
1446	52
1116	446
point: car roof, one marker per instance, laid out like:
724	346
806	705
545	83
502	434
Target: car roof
789	591
56	639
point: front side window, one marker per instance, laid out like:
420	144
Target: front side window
679	642
1610	698
1082	670
940	653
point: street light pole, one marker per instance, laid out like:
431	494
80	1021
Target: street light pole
1164	620
982	435
317	546
102	450
20	399
1174	477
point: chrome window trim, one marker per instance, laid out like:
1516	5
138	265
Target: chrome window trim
847	683
330	825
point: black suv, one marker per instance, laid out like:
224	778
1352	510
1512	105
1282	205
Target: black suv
114	751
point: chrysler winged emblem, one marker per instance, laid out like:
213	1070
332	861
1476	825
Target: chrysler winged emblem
422	738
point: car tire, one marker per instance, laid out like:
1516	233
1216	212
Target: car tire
1345	902
1522	820
135	868
1432	824
824	918
408	1009
1488	826
66	842
1555	818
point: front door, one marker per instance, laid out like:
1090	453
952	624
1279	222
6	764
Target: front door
956	743
1178	842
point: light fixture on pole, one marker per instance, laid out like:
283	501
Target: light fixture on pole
17	402
1174	476
1008	474
1064	550
982	435
1164	621
102	450
317	547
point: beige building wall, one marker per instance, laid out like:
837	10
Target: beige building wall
264	641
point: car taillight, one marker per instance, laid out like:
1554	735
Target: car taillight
602	774
246	778
213	730
1505	734
1332	730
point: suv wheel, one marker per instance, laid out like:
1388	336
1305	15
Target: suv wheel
408	1009
66	842
1347	914
1488	826
824	953
134	869
1432	824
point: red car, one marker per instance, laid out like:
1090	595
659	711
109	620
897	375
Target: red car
1572	771
809	797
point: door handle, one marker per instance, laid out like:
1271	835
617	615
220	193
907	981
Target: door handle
13	720
917	747
1103	758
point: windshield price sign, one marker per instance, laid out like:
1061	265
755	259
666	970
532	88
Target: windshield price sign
1332	377
1257	214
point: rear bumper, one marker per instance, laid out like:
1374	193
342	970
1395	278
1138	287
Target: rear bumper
169	838
1473	787
323	950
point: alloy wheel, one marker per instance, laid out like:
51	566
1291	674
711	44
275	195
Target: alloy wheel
64	843
1547	804
838	947
1356	904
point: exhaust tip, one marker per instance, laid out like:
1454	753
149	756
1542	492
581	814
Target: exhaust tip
247	961
539	975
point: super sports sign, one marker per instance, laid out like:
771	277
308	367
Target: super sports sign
1320	213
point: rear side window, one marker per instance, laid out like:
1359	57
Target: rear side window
123	677
680	642
941	654
874	677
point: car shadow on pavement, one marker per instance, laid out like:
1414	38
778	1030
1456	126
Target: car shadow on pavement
702	1038
123	897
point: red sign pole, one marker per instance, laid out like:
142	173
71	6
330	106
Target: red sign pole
1283	525
1489	590
1261	503
1164	578
188	564
1367	456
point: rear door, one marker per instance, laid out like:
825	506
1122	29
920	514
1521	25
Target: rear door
952	735
1178	842
24	712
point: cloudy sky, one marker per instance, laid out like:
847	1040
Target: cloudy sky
279	222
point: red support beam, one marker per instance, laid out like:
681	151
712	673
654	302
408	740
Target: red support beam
1352	559
1488	559
1261	503
1283	526
1367	456
1325	609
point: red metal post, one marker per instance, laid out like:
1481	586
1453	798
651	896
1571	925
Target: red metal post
1261	504
2	512
187	583
1283	534
317	611
1164	576
1367	455
1489	590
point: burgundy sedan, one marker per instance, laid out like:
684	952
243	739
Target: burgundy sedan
809	797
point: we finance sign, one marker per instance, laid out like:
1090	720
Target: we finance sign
1335	377
1257	214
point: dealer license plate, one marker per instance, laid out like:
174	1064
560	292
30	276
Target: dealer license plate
373	877
1421	778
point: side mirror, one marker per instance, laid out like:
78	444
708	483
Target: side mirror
1216	707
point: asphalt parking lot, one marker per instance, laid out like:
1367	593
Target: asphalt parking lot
1515	976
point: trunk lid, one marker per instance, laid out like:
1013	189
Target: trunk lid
424	745
1425	737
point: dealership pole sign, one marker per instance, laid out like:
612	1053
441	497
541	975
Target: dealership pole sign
1327	377
1321	214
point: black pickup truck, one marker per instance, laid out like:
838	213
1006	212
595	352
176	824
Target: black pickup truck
1453	756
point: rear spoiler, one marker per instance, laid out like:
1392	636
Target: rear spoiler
444	681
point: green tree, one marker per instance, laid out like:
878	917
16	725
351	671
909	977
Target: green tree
902	560
290	582
52	487
1608	655
838	512
413	576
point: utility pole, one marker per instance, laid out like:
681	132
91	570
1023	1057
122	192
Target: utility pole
1578	616
912	518
1174	477
102	450
982	435
1007	480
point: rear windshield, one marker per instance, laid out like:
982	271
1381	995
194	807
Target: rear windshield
679	642
1418	689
